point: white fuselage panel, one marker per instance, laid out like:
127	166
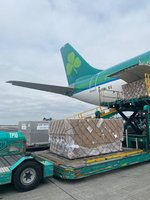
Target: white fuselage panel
107	92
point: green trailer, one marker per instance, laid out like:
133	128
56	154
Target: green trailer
26	171
84	167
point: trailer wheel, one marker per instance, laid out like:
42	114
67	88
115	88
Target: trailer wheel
27	176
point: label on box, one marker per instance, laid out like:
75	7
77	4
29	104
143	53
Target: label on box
89	128
99	123
42	126
23	127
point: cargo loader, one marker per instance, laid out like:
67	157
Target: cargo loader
26	171
136	146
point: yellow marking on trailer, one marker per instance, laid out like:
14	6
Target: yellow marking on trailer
69	170
117	155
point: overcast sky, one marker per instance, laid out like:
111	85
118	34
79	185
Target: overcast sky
32	33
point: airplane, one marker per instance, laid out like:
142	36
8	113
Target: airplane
92	85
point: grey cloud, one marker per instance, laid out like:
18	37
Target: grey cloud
32	32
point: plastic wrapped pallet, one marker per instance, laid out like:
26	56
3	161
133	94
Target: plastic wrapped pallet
135	89
76	138
36	132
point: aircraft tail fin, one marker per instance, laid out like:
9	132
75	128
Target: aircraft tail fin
75	66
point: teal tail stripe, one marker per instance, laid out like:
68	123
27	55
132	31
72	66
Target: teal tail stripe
75	66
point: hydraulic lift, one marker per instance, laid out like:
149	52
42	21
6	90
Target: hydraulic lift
136	127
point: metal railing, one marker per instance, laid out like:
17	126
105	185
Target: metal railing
111	94
91	113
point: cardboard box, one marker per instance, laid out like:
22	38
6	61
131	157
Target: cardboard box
75	138
135	89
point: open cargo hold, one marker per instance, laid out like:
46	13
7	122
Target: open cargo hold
76	138
36	132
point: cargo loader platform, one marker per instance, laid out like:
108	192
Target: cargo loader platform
84	167
137	146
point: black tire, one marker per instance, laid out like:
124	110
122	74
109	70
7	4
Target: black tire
27	176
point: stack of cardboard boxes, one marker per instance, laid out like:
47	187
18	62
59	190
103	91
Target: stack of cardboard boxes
135	89
76	138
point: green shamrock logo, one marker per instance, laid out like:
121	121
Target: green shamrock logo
73	63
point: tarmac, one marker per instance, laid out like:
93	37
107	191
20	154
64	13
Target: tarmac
131	183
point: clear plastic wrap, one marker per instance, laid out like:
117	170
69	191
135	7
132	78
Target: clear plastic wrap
135	89
76	138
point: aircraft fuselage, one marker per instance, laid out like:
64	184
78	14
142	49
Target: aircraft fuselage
101	92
